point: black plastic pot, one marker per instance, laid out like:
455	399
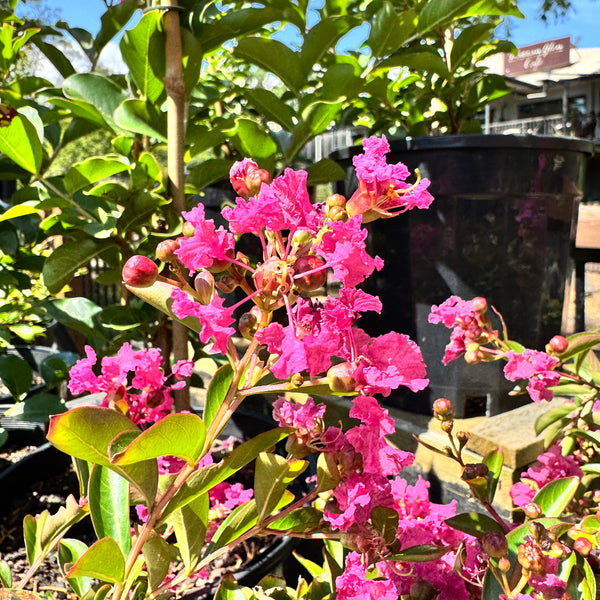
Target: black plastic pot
501	226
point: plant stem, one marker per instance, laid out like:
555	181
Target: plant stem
175	88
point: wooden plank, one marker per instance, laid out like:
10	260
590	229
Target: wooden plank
588	227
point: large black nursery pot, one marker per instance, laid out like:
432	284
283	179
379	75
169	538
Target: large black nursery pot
501	226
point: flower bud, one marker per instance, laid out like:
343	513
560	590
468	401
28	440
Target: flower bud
504	564
248	325
530	557
301	237
558	344
165	251
226	283
442	409
557	550
204	283
447	426
474	470
188	229
494	544
479	304
335	200
532	510
312	281
340	378
422	590
472	357
583	546
537	530
140	271
463	437
336	213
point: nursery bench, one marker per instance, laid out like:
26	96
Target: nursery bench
587	249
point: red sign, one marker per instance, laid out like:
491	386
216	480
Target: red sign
538	57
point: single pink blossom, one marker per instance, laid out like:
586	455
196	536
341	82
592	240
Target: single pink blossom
343	248
207	245
536	367
215	318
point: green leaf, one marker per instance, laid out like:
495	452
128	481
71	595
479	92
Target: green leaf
44	530
468	41
20	142
5	575
475	524
554	497
102	560
217	389
140	116
16	375
592	436
438	13
494	461
301	520
159	296
325	171
252	140
60	267
108	496
113	21
317	118
143	50
77	313
99	91
87	432
580	342
319	39
93	169
209	171
69	552
29	207
271	107
273	473
58	59
157	554
37	409
383	38
241	519
419	553
275	57
190	524
178	434
205	479
554	414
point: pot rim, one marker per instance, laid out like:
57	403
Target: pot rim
478	140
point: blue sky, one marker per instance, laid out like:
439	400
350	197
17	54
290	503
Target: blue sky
582	24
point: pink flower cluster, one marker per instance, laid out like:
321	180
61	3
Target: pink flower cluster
301	242
134	381
368	467
550	465
536	367
383	191
468	323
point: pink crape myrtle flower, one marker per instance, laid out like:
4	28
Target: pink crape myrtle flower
306	418
368	439
536	367
466	323
550	465
353	583
343	248
382	188
386	362
214	317
207	245
135	377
